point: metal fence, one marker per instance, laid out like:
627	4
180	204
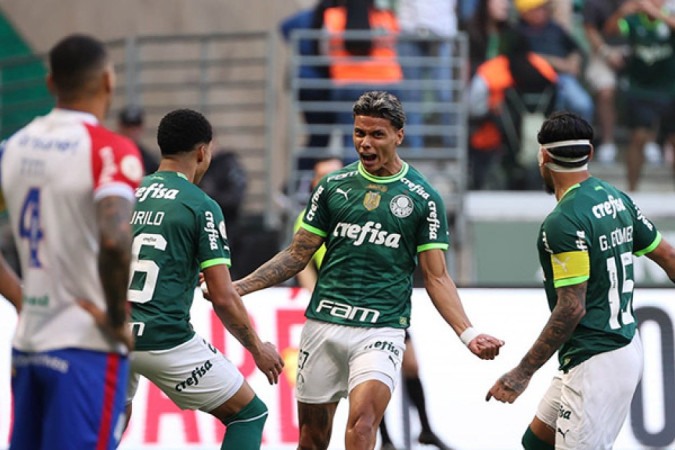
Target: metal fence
433	93
228	77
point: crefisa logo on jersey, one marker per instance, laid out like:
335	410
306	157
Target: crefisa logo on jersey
155	190
401	206
433	220
211	230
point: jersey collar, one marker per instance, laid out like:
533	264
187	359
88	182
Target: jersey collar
383	180
77	115
570	189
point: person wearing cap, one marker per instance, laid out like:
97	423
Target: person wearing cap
586	247
550	40
131	123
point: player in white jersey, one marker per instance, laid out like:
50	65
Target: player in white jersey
69	185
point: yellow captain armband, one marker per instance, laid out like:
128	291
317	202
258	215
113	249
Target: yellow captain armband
570	268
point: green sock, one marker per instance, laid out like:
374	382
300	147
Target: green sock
530	441
244	429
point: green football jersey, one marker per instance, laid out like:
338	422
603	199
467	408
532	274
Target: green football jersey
178	231
592	235
651	67
374	228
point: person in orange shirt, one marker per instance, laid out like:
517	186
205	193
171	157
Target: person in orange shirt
358	61
516	68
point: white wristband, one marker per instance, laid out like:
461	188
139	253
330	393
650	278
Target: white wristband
468	335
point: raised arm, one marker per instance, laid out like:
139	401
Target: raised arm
444	296
233	315
113	215
568	312
664	256
284	265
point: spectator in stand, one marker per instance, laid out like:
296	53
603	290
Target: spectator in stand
226	182
424	24
311	19
485	30
650	97
607	57
360	63
563	12
522	70
131	123
550	40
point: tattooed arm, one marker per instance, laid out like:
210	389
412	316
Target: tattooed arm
233	315
113	215
569	310
283	265
664	256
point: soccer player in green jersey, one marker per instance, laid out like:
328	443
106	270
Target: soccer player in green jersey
178	232
586	247
378	217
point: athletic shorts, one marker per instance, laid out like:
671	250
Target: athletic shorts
68	399
194	374
588	405
334	359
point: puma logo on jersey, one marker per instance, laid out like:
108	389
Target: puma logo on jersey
563	433
345	193
156	190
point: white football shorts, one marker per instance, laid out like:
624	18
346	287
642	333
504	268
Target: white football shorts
194	375
588	405
334	359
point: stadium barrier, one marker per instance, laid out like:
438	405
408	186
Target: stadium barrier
455	381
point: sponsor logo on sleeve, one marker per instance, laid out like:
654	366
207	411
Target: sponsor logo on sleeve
433	220
211	230
314	204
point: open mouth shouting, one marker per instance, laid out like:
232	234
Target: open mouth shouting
368	159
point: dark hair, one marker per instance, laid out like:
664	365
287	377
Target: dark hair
73	61
131	115
566	126
526	77
380	104
358	20
477	29
182	130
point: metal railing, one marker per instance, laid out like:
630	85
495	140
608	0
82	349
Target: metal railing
433	93
229	77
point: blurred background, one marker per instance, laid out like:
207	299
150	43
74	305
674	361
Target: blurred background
264	73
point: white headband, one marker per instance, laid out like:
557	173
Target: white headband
558	168
567	143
